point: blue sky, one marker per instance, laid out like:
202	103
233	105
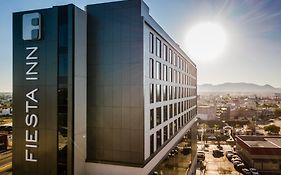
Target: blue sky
253	28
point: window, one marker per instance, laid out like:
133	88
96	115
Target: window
158	93
179	107
158	138
151	92
179	94
165	133
151	118
151	144
175	109
165	93
179	122
151	42
171	74
175	76
175	58
180	62
165	73
170	56
151	68
165	52
158	47
158	70
165	113
158	116
171	111
170	93
176	95
171	129
175	126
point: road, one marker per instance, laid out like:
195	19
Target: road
217	166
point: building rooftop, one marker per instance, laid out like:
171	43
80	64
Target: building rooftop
261	141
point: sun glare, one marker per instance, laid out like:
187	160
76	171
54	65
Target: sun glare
205	41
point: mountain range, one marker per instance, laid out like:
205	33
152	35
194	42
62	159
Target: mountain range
238	87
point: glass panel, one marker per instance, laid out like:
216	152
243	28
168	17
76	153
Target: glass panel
151	42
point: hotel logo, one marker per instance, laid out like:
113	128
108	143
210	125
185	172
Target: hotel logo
31	26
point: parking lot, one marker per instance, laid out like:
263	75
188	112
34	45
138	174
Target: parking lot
215	166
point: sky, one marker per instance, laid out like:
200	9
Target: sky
253	29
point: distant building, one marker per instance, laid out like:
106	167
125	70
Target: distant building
260	152
208	110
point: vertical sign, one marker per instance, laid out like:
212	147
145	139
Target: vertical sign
35	47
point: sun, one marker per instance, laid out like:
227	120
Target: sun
205	41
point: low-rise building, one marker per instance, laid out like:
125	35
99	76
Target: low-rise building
260	152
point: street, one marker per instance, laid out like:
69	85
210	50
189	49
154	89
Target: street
215	166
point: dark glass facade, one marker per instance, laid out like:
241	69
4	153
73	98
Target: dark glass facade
62	89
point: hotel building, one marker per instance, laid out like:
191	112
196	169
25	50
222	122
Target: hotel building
100	91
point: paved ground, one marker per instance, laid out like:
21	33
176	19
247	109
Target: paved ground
217	166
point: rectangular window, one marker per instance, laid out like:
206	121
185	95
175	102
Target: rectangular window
158	47
165	113
151	92
180	62
171	74
175	58
179	94
170	56
151	144
179	107
158	70
175	109
158	116
151	68
175	76
176	93
151	118
171	129
165	73
158	139
165	93
170	93
165	52
165	133
171	111
158	93
175	126
179	122
151	42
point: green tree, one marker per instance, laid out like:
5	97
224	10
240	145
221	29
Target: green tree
277	112
272	128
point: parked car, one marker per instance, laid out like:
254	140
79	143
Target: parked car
229	156
254	171
200	155
217	153
240	166
246	171
236	159
235	163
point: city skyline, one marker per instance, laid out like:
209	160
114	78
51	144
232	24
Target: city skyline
252	29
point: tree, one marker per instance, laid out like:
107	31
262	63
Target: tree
277	112
272	129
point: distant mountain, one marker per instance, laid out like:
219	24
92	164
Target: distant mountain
238	87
